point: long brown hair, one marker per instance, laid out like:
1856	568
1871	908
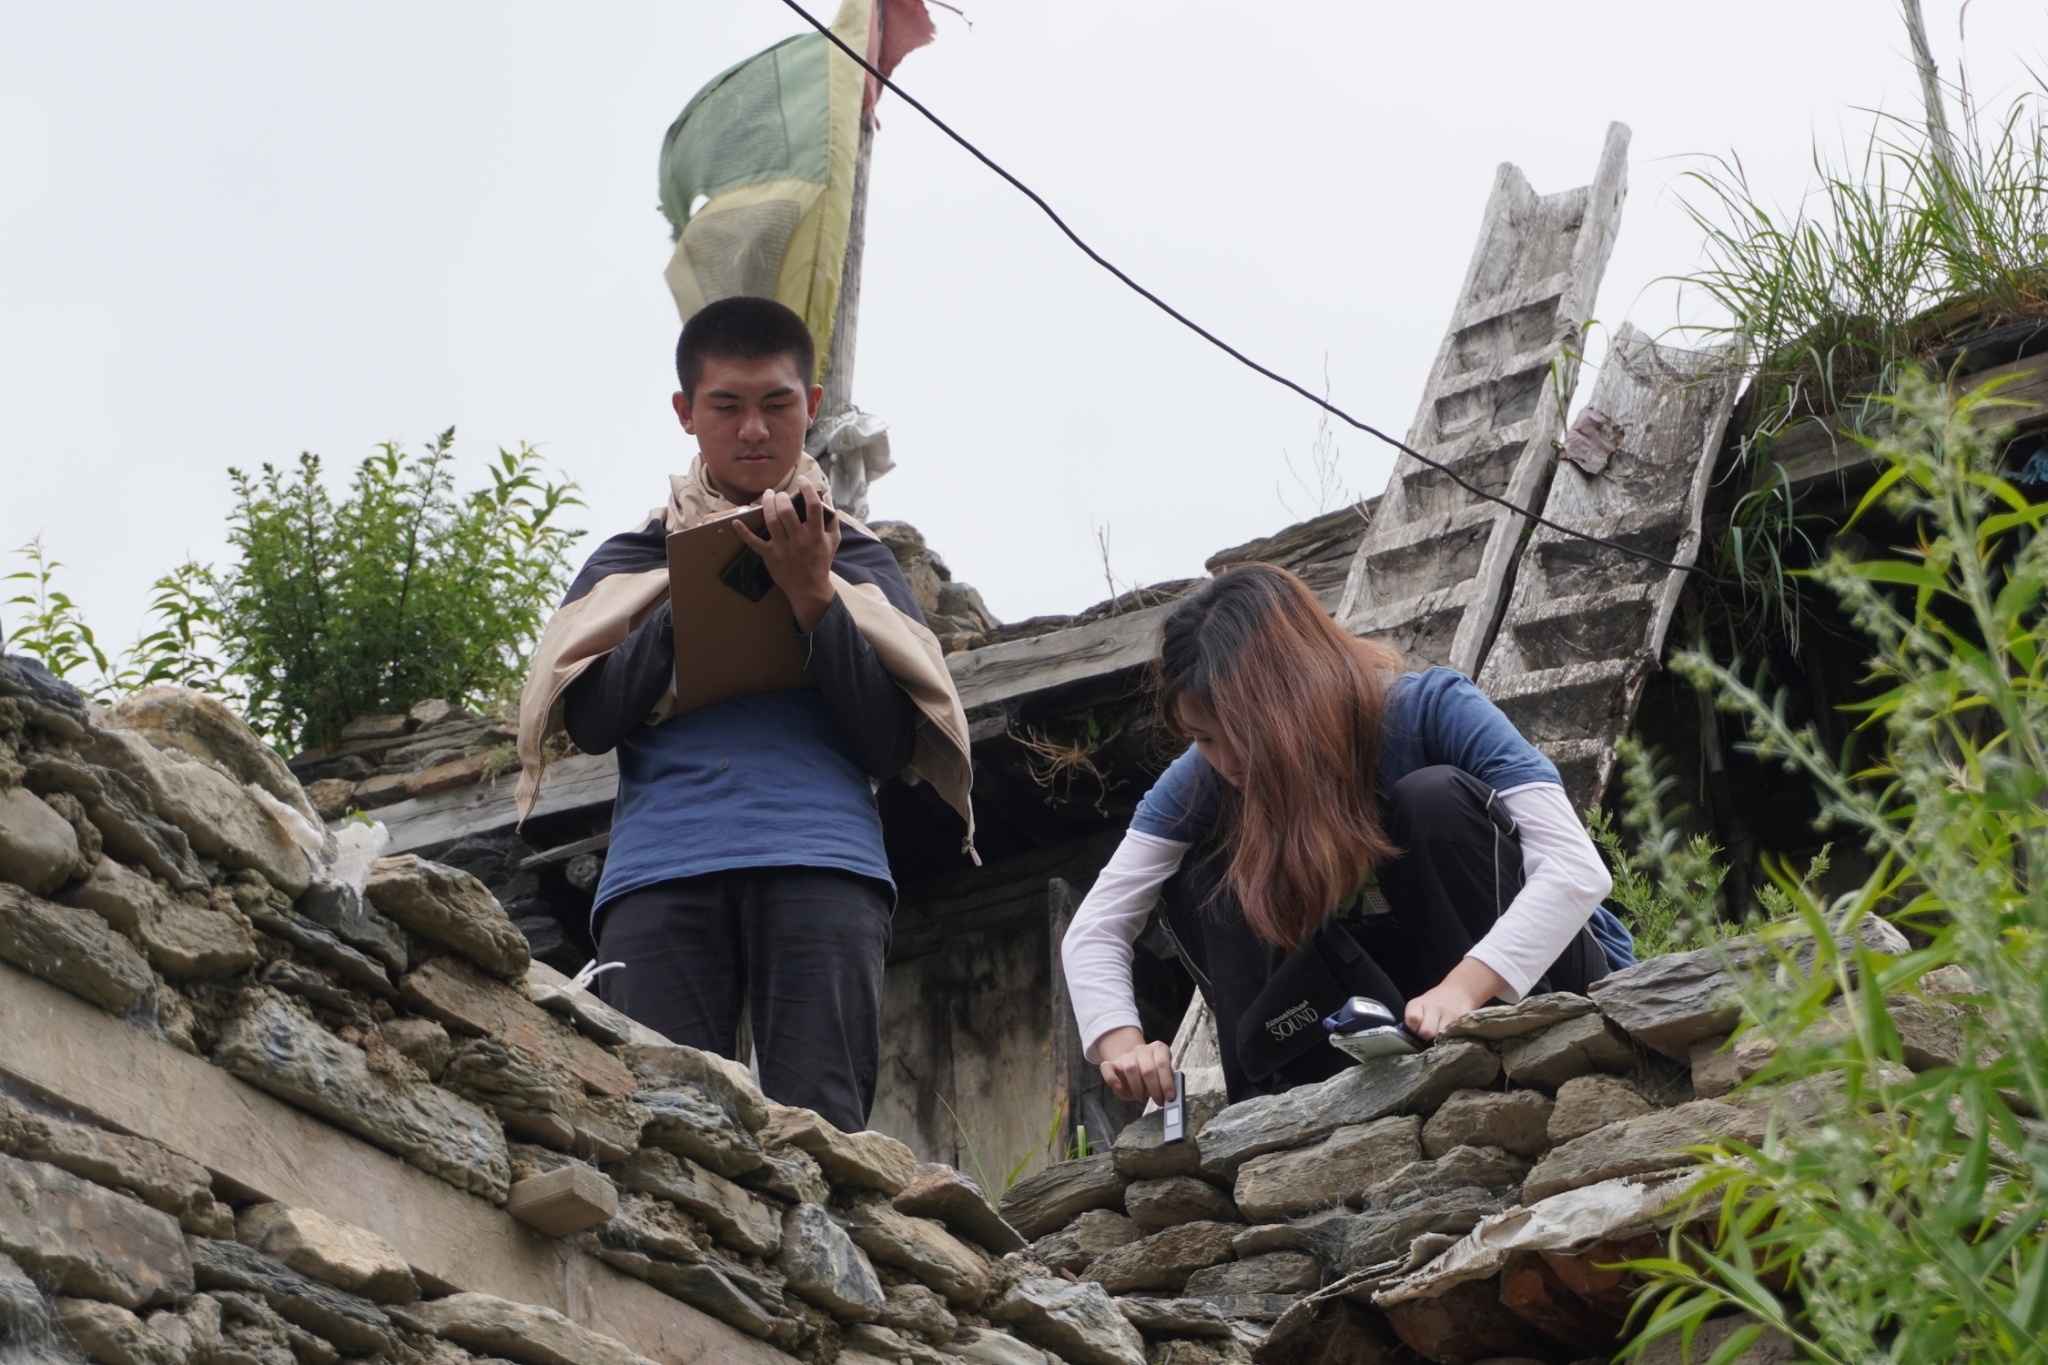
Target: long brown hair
1302	703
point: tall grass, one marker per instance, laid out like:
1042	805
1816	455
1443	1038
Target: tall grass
1894	253
1890	1216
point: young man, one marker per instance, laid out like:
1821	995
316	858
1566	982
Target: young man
746	860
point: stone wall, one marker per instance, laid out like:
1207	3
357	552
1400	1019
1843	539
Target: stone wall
268	1098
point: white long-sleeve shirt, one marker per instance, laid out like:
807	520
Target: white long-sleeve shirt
1563	882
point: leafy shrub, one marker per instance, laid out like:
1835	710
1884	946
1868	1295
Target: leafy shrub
1898	1217
1668	888
336	608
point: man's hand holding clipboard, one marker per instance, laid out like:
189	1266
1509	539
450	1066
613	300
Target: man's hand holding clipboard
797	549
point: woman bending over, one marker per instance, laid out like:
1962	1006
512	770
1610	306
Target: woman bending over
1339	827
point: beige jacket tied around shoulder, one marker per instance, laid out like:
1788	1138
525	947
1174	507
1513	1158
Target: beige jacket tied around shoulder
596	623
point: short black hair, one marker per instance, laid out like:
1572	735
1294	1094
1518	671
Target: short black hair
743	328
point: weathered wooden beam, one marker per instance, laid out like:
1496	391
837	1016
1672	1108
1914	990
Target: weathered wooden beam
113	1073
1826	447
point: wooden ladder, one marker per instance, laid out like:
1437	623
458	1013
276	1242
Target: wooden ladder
1431	572
1585	625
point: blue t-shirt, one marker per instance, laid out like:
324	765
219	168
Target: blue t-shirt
1433	717
759	781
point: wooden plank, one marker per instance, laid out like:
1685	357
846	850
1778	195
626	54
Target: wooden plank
1430	573
1585	625
1818	448
1005	672
1069	1067
119	1076
577	782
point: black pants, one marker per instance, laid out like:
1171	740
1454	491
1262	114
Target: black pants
804	947
1460	867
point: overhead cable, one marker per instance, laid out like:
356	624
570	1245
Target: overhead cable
1218	342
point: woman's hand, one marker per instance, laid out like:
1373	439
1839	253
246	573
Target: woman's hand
1134	1068
1470	985
798	553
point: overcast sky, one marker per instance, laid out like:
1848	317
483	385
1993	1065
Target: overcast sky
234	231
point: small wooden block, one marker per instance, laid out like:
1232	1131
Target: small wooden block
563	1201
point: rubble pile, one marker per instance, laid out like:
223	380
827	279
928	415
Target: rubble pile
158	862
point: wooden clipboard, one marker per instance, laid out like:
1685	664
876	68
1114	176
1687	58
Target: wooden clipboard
730	642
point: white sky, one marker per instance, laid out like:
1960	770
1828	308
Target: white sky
230	232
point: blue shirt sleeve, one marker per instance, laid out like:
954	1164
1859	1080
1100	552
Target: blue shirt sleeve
1182	804
1438	716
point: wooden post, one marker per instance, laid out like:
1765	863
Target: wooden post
850	482
1069	1068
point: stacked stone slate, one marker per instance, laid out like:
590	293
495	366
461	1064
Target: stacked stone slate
382	760
160	863
1458	1206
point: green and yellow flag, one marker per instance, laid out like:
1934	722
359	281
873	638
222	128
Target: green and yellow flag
757	172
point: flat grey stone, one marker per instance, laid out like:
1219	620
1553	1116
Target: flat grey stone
1575	1047
1529	1015
1359	1094
349	1258
954	1199
185	942
354	1324
1041	1203
664	1066
1275	1272
914	1308
521	1332
1517	1121
321	944
275	1048
1141	1151
73	1237
38	848
1163	1260
1652	1142
921	1246
73	949
451	908
1669	1003
1297	1234
1334	1171
539	1103
821	1264
348	915
1588	1102
1091	1234
151	1172
124	814
1462	1167
735	1215
685	1121
1382	1235
1175	1199
1078	1322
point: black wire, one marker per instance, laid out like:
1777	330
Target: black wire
1219	343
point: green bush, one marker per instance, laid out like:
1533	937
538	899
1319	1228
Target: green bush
334	608
1890	1216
